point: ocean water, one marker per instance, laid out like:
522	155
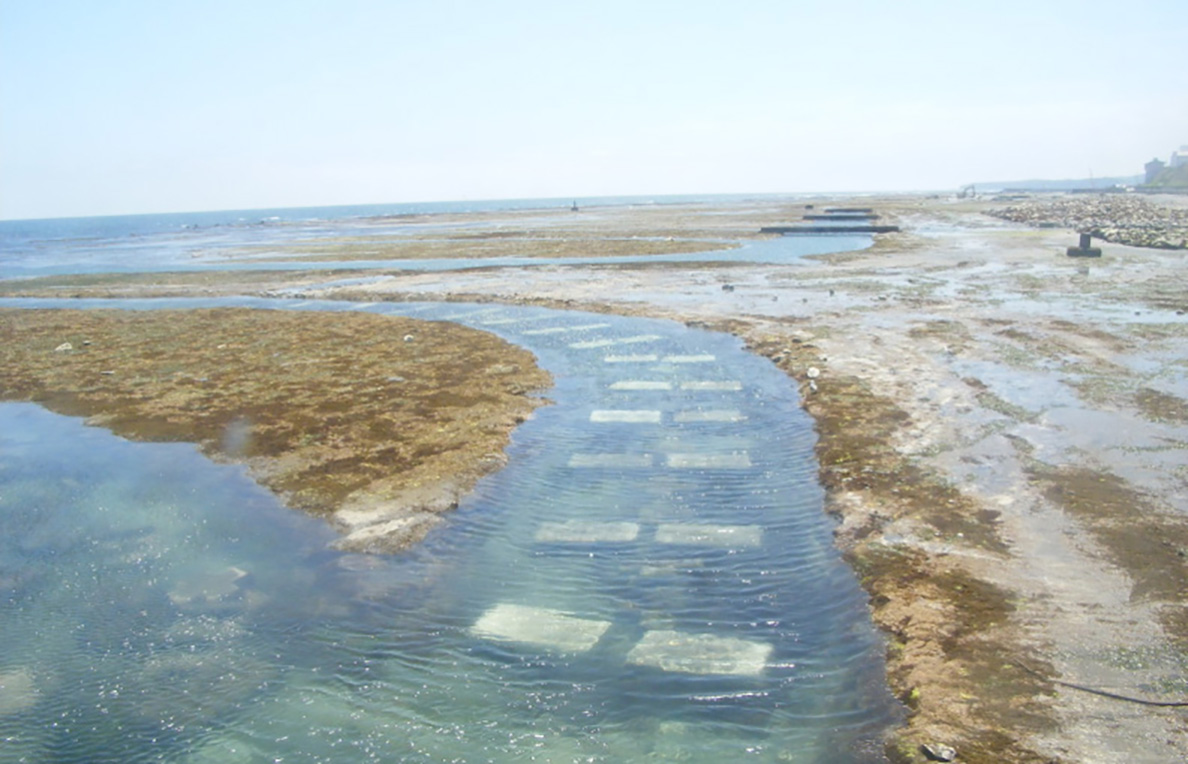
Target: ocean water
201	240
651	578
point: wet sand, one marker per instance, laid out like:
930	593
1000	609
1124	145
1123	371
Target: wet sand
1003	437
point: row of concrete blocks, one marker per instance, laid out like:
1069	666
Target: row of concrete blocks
666	649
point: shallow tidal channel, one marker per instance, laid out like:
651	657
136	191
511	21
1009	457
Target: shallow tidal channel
652	577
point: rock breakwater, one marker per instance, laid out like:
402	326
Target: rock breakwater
1134	221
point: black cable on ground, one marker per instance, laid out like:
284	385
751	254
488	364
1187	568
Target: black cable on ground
1105	693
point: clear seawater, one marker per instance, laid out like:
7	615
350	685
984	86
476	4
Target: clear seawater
155	606
203	240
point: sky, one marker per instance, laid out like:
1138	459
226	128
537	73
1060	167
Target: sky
129	106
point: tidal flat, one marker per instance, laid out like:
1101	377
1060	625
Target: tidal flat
1000	436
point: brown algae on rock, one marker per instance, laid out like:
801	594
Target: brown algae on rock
330	410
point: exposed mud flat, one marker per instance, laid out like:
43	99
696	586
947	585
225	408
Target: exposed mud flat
1002	436
377	423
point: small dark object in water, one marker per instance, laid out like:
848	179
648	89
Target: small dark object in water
728	287
1086	248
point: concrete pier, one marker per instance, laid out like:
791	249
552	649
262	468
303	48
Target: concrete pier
786	229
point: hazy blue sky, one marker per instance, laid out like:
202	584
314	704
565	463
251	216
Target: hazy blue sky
120	107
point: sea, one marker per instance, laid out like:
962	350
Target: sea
190	241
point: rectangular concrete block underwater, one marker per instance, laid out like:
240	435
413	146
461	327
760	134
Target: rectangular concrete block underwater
729	536
692	358
709	461
611	460
472	314
640	384
565	329
709	415
586	532
700	654
540	627
640	358
626	416
714	385
637	339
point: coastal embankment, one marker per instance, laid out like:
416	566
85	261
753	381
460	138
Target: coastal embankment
1118	218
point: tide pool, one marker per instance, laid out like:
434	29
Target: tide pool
651	577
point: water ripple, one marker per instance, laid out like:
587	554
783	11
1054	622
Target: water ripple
651	576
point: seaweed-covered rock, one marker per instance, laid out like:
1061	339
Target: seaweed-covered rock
1131	220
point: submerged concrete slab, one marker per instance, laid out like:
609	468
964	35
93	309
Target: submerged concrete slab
625	415
541	627
638	358
585	532
471	314
610	460
691	358
208	586
719	385
686	653
709	415
18	691
635	340
640	384
740	461
697	534
565	329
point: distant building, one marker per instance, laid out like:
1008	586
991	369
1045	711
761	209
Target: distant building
1153	168
1179	158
